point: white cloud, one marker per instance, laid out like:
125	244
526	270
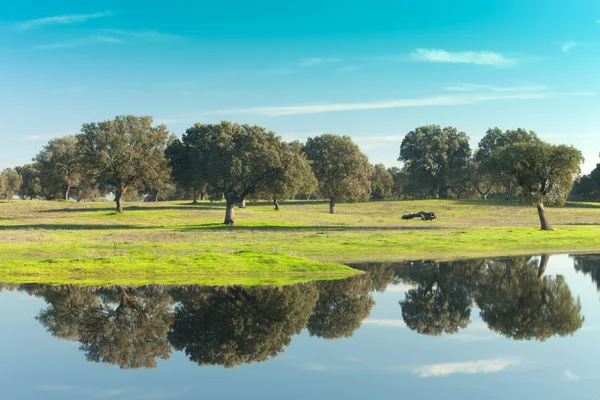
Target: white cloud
61	20
85	41
572	376
395	323
314	61
472	87
462	57
525	93
445	100
568	46
469	367
147	35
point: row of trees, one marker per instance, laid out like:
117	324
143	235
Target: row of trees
239	162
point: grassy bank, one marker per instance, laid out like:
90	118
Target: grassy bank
182	234
245	268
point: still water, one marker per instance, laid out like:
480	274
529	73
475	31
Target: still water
524	327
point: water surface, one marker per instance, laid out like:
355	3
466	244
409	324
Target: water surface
524	327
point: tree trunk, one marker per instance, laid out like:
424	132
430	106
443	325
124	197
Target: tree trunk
276	204
195	201
543	266
243	203
119	199
507	193
229	212
66	194
332	206
202	196
308	197
543	220
156	197
484	196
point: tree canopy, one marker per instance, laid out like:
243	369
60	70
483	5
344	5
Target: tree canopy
234	325
10	182
434	156
382	183
544	172
127	152
488	170
341	308
59	166
295	175
342	170
238	160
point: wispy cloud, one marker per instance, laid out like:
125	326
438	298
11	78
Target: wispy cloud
79	42
463	57
472	87
61	20
146	35
572	376
568	46
469	367
395	323
314	61
443	100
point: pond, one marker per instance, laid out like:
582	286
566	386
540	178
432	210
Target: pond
487	328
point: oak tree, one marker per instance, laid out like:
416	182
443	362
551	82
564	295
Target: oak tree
342	170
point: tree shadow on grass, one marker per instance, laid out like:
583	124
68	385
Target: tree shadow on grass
200	206
306	228
72	227
494	203
582	205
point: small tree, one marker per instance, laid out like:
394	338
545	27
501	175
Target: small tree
11	182
30	187
544	172
401	178
125	153
343	171
382	183
294	176
59	166
238	160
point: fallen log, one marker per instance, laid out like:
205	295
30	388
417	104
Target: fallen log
422	215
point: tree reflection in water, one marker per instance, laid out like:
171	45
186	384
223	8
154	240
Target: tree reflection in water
232	326
228	326
514	296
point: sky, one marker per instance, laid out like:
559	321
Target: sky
374	70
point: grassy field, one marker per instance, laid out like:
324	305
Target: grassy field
180	237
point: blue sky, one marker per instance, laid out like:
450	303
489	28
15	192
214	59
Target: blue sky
374	70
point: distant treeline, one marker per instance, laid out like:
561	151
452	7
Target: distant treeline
131	159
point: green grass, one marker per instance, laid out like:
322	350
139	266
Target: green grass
244	268
176	238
